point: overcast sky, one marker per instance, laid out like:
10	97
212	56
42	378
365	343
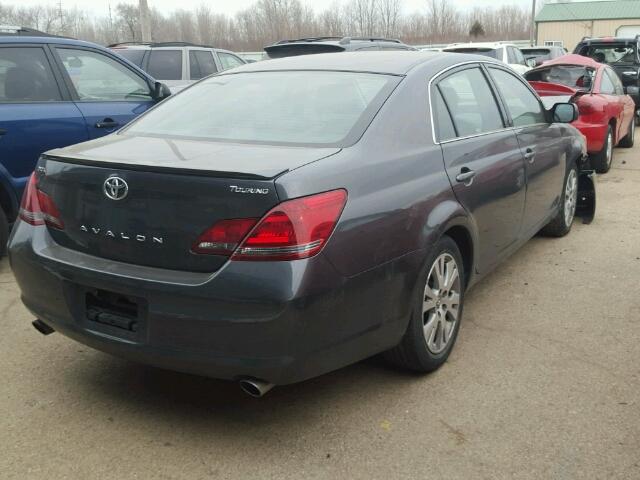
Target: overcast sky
101	7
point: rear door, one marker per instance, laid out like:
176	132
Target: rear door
624	108
107	91
542	147
482	159
36	113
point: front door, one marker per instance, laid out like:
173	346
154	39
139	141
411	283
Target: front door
482	159
542	145
108	93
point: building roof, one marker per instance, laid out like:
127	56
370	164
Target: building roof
580	11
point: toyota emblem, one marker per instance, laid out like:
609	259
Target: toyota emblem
115	188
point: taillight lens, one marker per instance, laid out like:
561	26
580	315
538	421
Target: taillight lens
295	229
37	208
224	237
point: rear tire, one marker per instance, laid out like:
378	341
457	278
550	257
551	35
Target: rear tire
627	142
4	233
560	225
601	161
436	313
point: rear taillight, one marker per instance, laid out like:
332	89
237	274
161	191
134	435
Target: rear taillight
293	230
224	237
37	208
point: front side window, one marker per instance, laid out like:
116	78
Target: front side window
201	64
471	102
134	55
229	61
296	107
97	77
523	105
26	76
165	64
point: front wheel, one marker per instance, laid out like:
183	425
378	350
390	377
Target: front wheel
437	310
560	225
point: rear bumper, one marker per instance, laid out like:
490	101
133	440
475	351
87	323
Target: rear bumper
282	322
594	133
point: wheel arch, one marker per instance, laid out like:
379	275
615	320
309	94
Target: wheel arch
463	239
8	201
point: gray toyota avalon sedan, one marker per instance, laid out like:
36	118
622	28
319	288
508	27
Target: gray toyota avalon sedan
291	217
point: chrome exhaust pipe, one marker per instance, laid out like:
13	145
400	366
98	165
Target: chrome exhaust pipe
255	388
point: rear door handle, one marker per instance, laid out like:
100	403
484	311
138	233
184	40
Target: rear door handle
107	123
530	155
465	176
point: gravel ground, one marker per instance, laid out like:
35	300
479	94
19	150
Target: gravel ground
544	382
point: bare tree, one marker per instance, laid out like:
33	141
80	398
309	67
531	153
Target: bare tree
267	21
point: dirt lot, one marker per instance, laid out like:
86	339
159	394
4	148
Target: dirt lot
543	383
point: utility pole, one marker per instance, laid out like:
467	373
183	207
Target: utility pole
532	33
145	22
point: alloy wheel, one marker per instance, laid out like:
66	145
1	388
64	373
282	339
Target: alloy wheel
441	303
570	197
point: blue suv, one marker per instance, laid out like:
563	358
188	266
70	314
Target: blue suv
55	92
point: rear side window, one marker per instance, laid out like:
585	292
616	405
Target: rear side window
26	76
441	118
165	64
471	102
524	107
201	64
229	61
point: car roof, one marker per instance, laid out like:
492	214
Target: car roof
573	59
609	40
479	45
344	41
393	62
48	39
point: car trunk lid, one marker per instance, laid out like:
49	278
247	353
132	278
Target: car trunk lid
172	196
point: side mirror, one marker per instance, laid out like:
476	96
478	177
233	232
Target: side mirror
160	91
532	62
633	91
564	113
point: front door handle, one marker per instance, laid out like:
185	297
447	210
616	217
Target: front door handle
465	176
107	123
530	155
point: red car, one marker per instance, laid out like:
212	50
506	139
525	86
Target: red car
606	113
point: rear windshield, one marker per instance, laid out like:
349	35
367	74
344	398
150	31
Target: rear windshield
610	53
486	52
569	75
135	56
293	50
536	53
296	107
